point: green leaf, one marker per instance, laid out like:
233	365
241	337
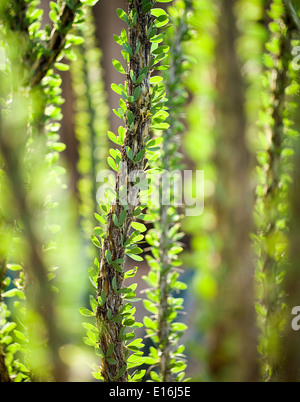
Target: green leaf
154	142
88	341
121	372
111	361
58	146
118	318
14	267
137	93
95	241
129	153
139	156
85	312
131	273
178	326
100	219
161	126
112	163
113	137
96	374
13	293
108	256
110	350
122	15
138	376
135	257
118	66
62	66
115	219
114	284
117	266
161	21
20	335
148	218
139	226
161	49
117	89
130	117
99	231
122	218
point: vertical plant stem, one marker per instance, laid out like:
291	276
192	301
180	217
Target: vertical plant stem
232	350
272	193
164	264
56	43
38	289
91	122
290	340
113	244
4	376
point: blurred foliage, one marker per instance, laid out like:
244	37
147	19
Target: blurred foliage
208	85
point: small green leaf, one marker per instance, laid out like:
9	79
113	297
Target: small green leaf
13	293
139	226
135	257
122	218
117	89
118	66
137	93
14	267
129	153
122	15
85	312
62	66
121	372
118	318
110	350
101	219
114	284
130	117
20	335
88	341
108	256
113	137
95	241
99	231
111	361
139	156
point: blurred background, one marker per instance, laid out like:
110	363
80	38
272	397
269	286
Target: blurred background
227	120
241	255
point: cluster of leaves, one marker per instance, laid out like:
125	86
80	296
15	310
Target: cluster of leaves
13	342
273	146
275	167
164	238
33	88
131	111
91	113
